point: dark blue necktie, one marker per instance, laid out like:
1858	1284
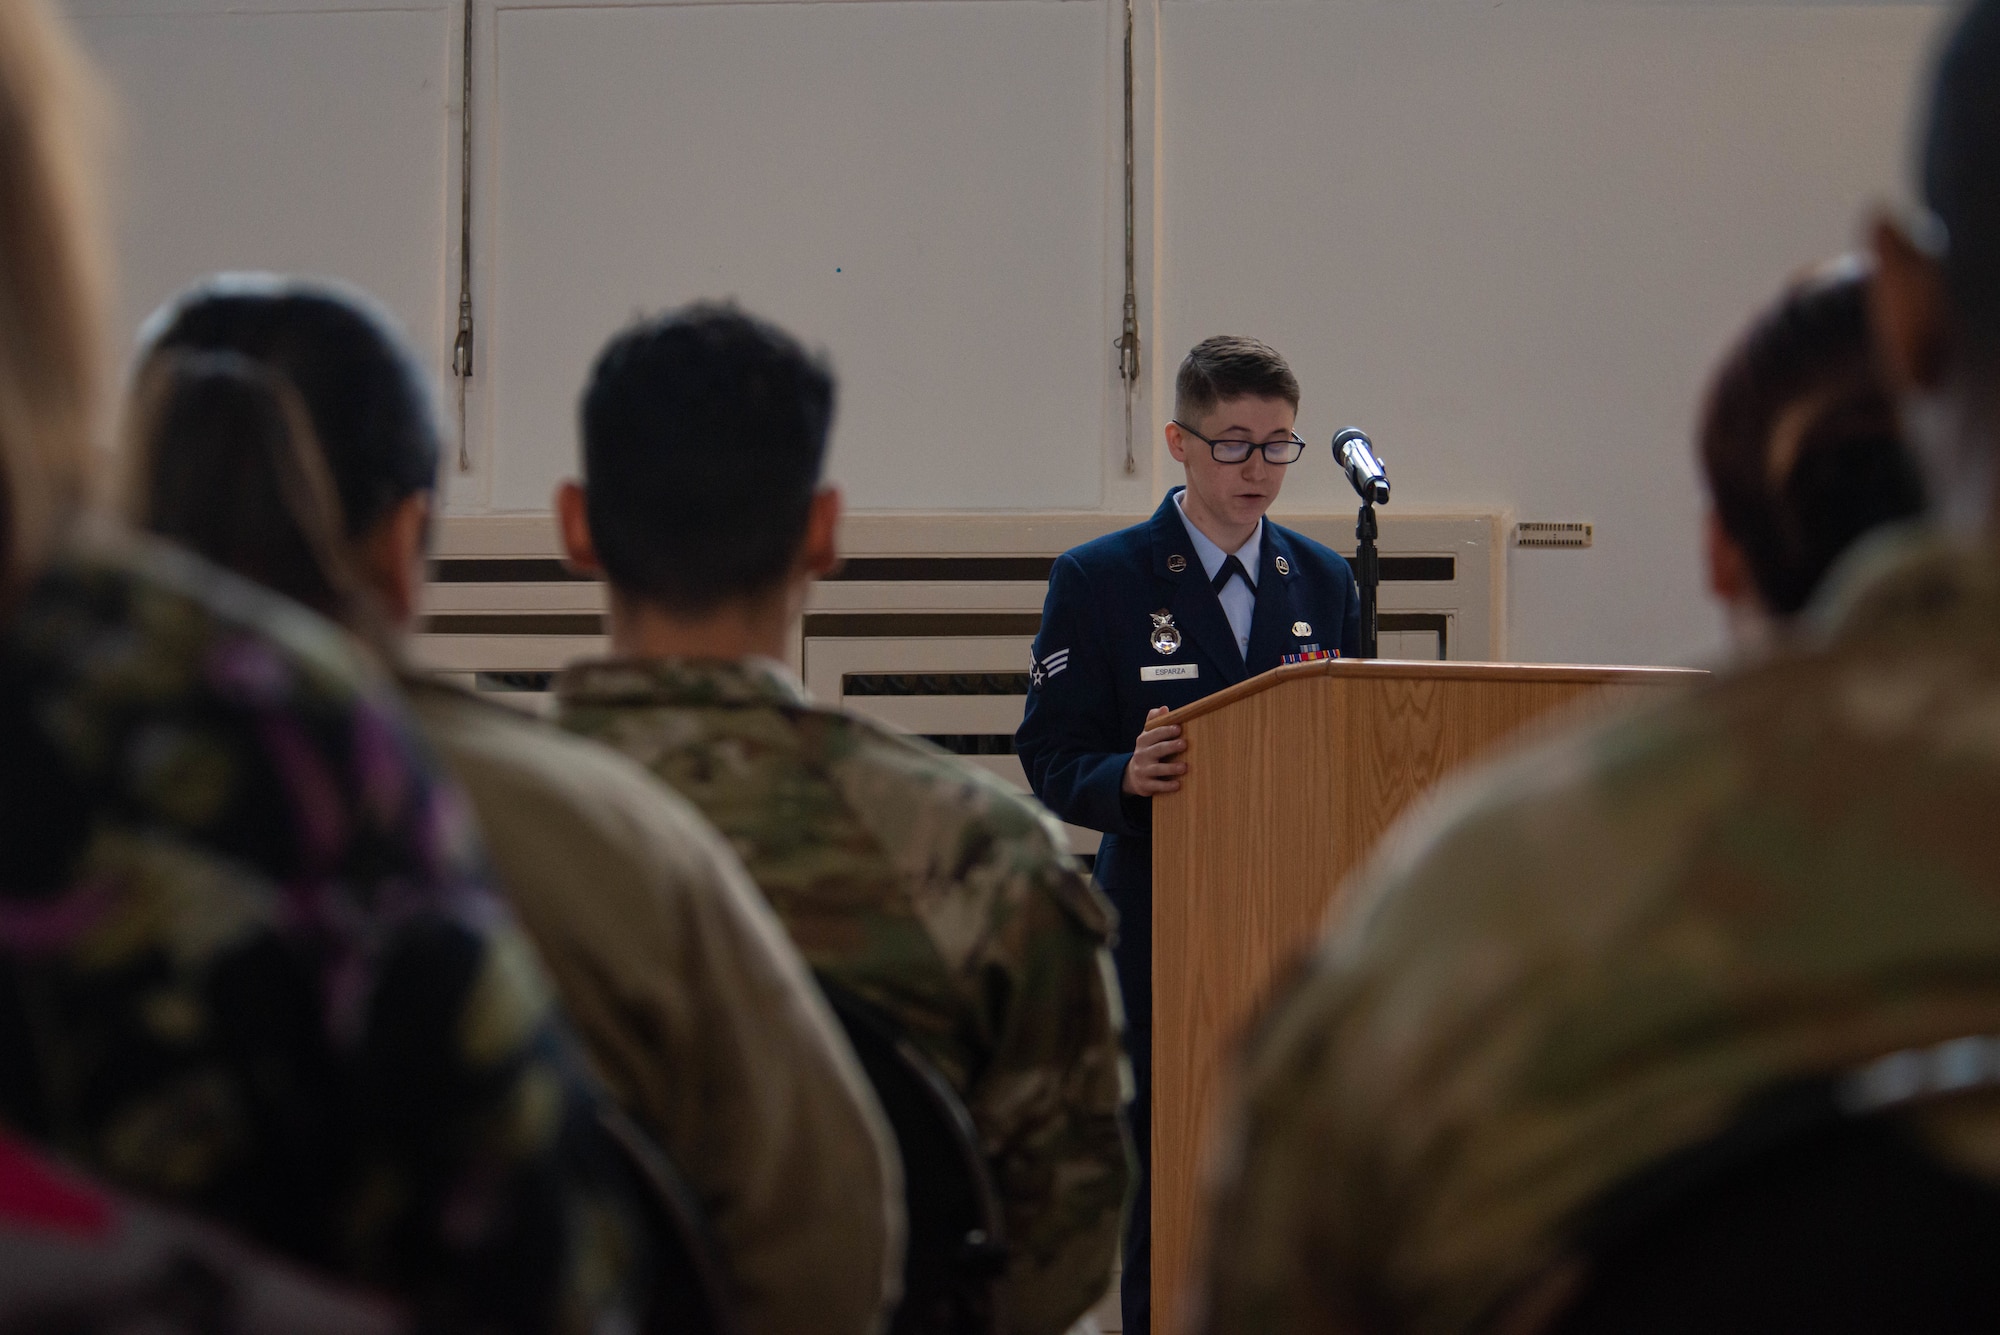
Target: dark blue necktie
1232	569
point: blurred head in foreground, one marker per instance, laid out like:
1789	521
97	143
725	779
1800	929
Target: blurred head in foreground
1799	448
1936	295
51	280
311	390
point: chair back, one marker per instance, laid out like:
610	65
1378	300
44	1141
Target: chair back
1793	1220
691	1292
957	1249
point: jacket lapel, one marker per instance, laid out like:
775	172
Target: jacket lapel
1186	594
1271	622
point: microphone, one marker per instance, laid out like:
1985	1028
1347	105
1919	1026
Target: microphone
1356	453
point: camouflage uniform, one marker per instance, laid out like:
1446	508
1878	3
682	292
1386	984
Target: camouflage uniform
940	895
697	1010
1594	953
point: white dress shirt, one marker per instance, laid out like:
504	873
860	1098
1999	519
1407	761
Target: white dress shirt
1239	600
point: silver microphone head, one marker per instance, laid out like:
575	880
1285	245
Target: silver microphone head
1356	453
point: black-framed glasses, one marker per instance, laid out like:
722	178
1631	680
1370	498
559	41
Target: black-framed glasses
1238	451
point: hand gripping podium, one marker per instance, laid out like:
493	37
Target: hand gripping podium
1292	778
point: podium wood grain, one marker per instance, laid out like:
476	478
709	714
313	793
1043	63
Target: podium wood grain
1292	778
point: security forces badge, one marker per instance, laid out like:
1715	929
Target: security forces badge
1166	635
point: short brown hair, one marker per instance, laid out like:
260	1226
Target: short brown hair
1228	367
1799	441
51	281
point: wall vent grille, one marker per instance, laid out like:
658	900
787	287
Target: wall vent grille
929	627
1538	534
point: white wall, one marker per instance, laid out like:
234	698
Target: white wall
286	136
1509	240
1506	239
917	186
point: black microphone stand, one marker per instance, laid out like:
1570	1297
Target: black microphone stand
1355	453
1367	573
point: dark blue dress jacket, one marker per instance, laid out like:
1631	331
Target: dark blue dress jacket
1087	700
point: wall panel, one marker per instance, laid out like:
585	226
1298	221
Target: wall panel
1509	240
280	137
921	187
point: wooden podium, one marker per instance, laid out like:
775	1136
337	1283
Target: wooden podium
1292	777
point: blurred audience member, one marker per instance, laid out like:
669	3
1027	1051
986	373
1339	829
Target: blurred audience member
1800	450
1731	962
249	965
929	889
695	1006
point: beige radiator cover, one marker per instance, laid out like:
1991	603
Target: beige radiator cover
936	627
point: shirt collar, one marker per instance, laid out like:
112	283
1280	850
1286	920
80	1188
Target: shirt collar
1210	555
1875	572
682	681
1904	584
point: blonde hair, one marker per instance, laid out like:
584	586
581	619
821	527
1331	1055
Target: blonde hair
52	281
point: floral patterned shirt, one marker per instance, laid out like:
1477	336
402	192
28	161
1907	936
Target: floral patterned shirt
250	963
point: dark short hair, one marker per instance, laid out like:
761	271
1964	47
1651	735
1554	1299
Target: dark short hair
221	459
362	388
1227	367
704	432
1799	439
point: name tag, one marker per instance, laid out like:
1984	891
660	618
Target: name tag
1169	671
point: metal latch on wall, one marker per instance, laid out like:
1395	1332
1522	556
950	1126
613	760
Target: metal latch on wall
461	347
